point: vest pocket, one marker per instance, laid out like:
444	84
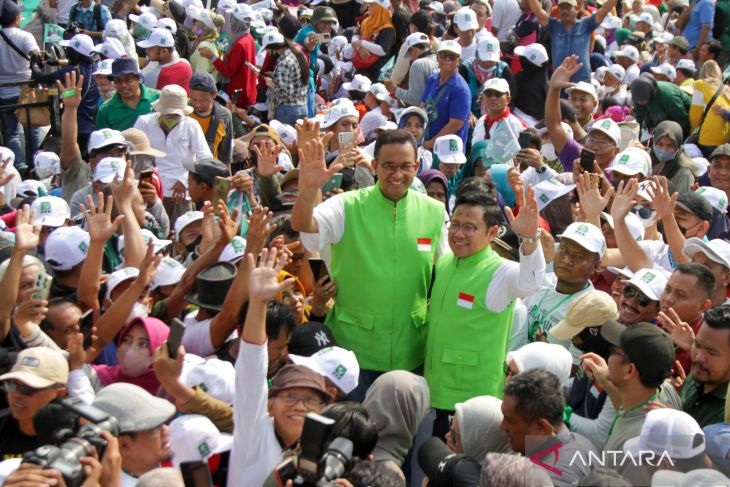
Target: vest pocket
362	320
419	316
458	369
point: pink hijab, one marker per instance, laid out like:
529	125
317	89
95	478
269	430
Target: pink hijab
157	332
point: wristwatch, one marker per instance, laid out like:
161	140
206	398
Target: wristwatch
534	239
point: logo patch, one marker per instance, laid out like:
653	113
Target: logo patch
453	147
424	245
31	362
45	207
83	247
204	449
340	371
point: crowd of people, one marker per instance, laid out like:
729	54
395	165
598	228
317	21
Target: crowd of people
366	243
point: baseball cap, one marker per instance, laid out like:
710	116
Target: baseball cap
207	168
665	69
608	127
186	219
647	346
551	357
417	39
695	204
203	81
120	276
234	251
663	38
46	164
488	49
202	15
450	46
636	228
466	19
450	149
135	408
103	68
158	37
169	24
591	308
271	38
549	190
342	109
646	18
721	150
309	338
147	236
617	71
110	168
612	22
100	139
535	53
693	478
358	83
50	211
111	48
379	91
297	376
194	438
287	133
570	2
39	368
630	163
585	88
67	247
627	51
687	65
699	166
651	282
335	363
668	430
169	272
216	377
497	84
445	468
80	43
717	249
587	236
31	188
680	42
716	197
626	271
147	20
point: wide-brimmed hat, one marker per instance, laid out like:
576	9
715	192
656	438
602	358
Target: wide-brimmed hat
141	143
124	66
212	286
173	100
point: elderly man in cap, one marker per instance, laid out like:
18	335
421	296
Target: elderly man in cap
214	118
38	377
143	431
170	130
132	97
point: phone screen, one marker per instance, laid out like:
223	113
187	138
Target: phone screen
587	158
524	139
174	339
221	188
319	269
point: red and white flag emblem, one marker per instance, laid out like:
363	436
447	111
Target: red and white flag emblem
424	245
465	301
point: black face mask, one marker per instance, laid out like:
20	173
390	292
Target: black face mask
194	244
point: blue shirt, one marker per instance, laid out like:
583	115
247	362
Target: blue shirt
567	42
86	20
702	14
86	117
449	100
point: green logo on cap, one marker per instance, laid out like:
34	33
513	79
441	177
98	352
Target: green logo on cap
115	165
648	277
606	124
83	247
202	387
453	146
582	229
544	198
340	371
624	158
45	207
721	202
204	449
237	245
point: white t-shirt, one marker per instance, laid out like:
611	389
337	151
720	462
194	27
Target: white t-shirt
470	51
63	9
632	72
505	15
13	67
659	253
197	335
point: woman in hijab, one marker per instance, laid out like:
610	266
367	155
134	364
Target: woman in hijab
397	402
479	70
668	158
532	87
135	349
414	120
436	184
475	428
205	36
376	41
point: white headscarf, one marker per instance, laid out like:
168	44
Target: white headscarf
479	421
551	357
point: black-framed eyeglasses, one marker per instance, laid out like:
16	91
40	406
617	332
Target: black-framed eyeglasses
310	402
641	298
466	228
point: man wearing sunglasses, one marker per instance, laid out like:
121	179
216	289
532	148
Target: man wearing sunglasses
640	298
38	377
495	106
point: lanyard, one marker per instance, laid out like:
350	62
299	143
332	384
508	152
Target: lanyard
621	413
537	324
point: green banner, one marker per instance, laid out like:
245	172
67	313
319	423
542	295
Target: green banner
52	33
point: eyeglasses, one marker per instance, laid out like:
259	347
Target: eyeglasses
126	80
451	56
641	299
602	144
20	388
310	402
394	168
467	228
492	94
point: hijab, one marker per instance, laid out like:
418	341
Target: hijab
239	29
430	175
397	402
478	151
479	425
380	19
550	357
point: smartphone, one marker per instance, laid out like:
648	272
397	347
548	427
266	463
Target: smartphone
335	182
196	474
321	38
86	323
524	139
145	176
174	339
235	95
347	143
319	269
43	283
587	158
253	68
221	188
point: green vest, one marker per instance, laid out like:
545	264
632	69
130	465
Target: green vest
467	343
383	267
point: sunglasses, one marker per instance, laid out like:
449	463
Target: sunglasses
642	212
449	55
641	299
20	388
492	94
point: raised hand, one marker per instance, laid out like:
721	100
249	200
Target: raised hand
525	224
6	176
313	171
123	189
148	267
263	283
681	333
662	201
71	90
625	199
27	236
268	155
589	195
259	229
99	218
561	76
517	184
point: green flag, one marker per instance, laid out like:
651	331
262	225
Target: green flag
52	33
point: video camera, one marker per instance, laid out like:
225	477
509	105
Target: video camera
69	440
321	459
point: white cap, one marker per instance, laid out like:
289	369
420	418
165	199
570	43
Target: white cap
587	236
335	363
416	39
669	430
549	190
194	438
686	64
617	71
147	236
665	69
105	138
147	20
358	83
699	166
168	23
67	247
620	272
436	7
169	272
271	37
692	150
158	37
450	149
186	219
585	88
628	51
243	12
693	478
651	282
103	68
110	168
644	187
717	249
716	197
450	45
120	276
608	127
345	108
216	377
630	163
663	38
234	251
51	211
379	91
111	48
466	19
612	22
383	3
488	49
201	15
225	5
287	133
496	84
550	357
646	18
31	187
636	228
80	43
535	53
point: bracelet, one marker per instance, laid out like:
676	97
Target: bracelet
68	93
534	239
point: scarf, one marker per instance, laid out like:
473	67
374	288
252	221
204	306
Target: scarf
379	20
488	123
479	420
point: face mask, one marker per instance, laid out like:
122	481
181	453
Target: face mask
169	123
194	244
663	155
134	361
548	152
487	70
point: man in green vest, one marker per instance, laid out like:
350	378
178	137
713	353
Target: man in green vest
472	301
382	241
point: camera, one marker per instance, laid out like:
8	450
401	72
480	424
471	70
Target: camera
321	459
69	439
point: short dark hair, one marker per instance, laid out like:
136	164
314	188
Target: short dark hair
398	136
353	422
199	180
705	278
714	47
283	227
45	324
537	395
373	474
718	318
485	200
278	317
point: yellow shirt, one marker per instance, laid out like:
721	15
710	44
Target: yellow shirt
220	133
715	130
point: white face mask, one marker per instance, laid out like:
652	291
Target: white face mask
134	361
